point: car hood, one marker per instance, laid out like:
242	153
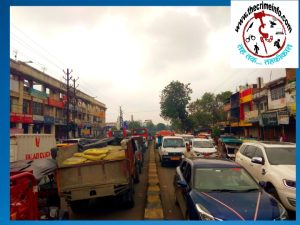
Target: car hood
284	171
204	150
237	206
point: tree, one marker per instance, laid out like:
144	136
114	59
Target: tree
160	126
224	96
134	124
173	103
150	126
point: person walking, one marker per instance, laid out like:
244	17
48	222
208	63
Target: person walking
188	153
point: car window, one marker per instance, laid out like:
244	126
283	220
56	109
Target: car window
203	144
173	143
243	149
250	151
258	153
281	155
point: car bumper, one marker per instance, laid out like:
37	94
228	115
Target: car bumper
288	198
171	158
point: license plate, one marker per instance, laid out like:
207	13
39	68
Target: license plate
175	158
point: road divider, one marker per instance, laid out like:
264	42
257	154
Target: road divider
153	210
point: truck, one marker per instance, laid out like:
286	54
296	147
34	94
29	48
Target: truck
80	183
31	146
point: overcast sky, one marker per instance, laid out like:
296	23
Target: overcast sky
125	56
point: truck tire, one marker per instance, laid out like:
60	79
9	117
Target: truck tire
79	205
128	197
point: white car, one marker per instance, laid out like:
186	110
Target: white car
171	149
202	147
273	163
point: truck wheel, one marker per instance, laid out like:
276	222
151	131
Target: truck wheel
79	205
128	197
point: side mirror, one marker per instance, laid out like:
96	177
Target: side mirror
257	160
263	184
182	184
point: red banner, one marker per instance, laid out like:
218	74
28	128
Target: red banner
20	118
55	103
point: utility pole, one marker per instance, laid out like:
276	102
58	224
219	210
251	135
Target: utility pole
68	78
121	118
74	100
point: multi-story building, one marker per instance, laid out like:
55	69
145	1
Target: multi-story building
38	105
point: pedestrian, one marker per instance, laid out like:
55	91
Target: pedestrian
188	153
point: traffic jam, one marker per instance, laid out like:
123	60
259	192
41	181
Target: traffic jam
200	177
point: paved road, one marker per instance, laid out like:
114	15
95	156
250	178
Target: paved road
166	176
110	209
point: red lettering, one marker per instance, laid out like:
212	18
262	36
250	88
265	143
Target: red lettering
37	141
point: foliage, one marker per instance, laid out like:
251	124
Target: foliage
134	124
173	103
160	126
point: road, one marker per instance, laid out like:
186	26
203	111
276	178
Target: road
110	209
166	175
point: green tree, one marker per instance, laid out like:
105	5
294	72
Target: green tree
173	103
160	126
150	126
134	124
224	96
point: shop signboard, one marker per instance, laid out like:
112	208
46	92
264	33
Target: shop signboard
268	119
20	118
53	102
38	119
283	117
38	94
48	119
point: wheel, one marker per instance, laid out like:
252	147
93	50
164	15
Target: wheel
79	205
128	198
272	191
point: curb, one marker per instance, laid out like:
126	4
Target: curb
153	210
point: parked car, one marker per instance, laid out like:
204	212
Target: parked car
203	148
220	189
275	164
171	150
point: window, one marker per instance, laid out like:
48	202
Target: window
250	151
37	108
277	93
258	153
26	107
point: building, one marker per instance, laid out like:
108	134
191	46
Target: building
38	105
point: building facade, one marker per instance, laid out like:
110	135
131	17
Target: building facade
38	104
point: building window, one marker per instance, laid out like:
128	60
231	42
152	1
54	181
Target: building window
277	93
26	107
37	108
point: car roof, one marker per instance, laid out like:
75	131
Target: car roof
212	163
201	139
172	137
271	144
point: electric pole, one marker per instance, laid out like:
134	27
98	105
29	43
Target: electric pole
68	78
121	118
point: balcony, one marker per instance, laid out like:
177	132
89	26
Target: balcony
260	94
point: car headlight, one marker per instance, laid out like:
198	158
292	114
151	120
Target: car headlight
282	212
289	183
204	214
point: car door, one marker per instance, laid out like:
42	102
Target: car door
257	169
249	154
184	191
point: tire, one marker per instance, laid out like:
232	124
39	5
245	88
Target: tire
79	205
272	191
128	198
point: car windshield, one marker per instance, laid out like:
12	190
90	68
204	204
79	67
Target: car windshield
139	131
203	144
281	156
224	179
171	143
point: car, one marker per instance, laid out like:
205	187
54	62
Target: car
275	164
202	147
220	189
171	149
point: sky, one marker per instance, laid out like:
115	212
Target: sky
125	56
